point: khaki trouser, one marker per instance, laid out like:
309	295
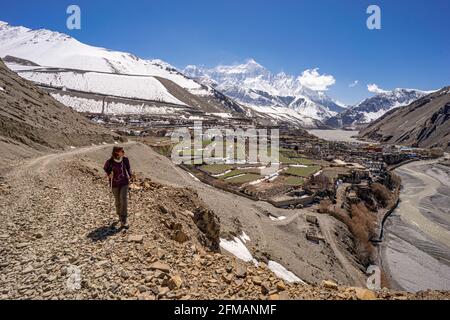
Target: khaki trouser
121	197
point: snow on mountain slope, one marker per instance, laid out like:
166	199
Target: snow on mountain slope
54	49
287	115
310	109
57	60
92	105
425	123
138	87
374	107
254	86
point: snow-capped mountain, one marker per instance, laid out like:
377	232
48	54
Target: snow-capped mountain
54	49
254	86
374	107
93	79
57	60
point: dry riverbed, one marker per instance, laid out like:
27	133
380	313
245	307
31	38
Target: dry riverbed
416	248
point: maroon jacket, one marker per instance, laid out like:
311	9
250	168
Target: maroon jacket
121	172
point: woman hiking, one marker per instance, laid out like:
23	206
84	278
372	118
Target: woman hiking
119	173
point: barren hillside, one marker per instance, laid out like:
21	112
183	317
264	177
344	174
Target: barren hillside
423	123
57	223
31	120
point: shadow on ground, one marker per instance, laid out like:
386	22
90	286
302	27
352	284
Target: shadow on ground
103	233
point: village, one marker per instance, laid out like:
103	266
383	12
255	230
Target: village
309	170
353	181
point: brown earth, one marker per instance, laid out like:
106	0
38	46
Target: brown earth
57	219
31	121
424	123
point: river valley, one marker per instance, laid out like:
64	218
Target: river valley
416	247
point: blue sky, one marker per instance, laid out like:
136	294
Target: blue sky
411	50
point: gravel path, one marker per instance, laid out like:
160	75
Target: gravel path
58	241
281	241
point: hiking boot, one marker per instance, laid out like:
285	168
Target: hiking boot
124	225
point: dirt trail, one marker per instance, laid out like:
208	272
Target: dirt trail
56	220
281	241
52	208
56	223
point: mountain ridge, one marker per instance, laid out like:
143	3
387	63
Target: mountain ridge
247	90
58	54
424	123
254	86
374	107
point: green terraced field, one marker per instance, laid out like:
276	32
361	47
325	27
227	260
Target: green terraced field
216	168
294	181
232	173
302	172
244	179
288	160
303	161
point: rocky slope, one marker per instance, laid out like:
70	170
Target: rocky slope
423	123
32	120
59	242
267	237
372	108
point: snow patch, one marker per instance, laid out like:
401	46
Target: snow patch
236	176
194	177
244	237
283	273
318	173
222	115
137	87
221	174
238	249
252	183
54	49
280	218
117	108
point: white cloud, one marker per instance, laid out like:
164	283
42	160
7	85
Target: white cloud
374	89
312	79
353	84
